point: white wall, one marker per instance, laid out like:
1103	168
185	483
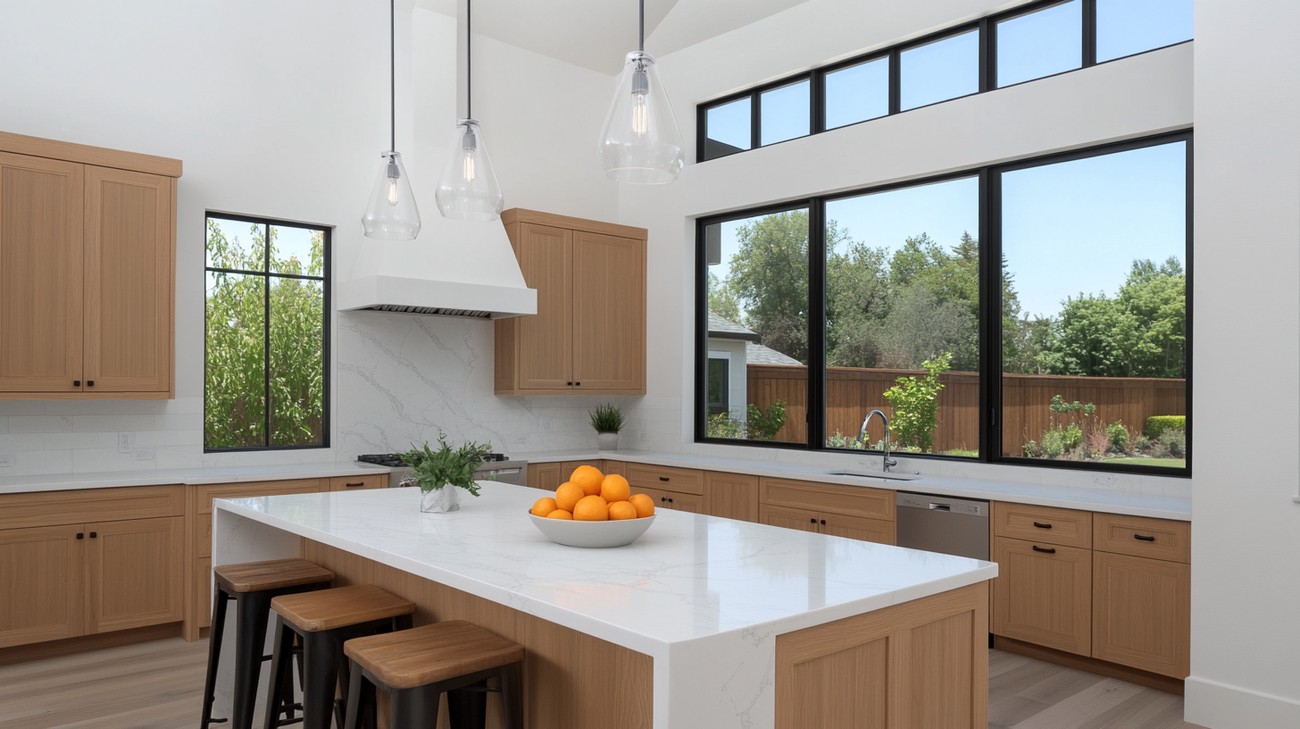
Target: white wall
280	109
1246	533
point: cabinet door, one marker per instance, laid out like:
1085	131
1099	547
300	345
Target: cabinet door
41	211
781	516
608	313
544	344
731	495
880	531
136	573
544	475
692	503
1142	613
128	281
1043	594
42	596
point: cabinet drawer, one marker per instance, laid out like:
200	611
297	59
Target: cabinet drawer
1143	536
848	500
250	489
665	478
48	508
1043	524
358	483
692	503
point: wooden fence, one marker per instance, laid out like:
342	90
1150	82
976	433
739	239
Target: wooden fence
852	392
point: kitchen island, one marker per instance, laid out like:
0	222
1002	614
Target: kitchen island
702	622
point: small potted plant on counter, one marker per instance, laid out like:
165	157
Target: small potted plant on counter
607	420
442	472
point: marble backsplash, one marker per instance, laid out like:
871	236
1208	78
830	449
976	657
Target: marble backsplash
397	379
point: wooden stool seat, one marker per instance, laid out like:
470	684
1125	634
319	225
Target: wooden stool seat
339	607
432	653
272	574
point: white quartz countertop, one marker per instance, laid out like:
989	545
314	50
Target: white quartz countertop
689	577
188	476
1109	500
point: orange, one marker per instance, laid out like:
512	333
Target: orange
543	506
622	510
567	495
614	488
591	508
588	477
645	506
560	514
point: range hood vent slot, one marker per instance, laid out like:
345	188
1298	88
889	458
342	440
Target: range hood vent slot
430	310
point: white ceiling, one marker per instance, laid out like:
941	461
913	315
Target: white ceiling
596	34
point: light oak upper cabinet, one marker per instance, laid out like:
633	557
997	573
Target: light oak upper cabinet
87	269
588	336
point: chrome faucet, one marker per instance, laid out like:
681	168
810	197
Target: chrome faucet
886	462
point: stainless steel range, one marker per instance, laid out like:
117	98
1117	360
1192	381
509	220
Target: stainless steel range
496	468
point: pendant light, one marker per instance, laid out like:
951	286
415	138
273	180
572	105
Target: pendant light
640	142
469	189
391	213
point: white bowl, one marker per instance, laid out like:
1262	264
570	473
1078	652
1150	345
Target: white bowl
613	533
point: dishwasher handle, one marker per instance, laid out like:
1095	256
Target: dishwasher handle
934	502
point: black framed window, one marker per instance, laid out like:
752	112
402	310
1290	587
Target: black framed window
1051	297
1016	46
266	350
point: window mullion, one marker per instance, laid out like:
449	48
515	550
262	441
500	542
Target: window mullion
816	410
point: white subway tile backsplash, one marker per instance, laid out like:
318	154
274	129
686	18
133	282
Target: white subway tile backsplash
40	424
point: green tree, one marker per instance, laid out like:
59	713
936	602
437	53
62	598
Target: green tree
235	403
769	280
857	301
722	301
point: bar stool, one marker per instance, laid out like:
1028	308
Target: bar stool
323	620
416	666
252	586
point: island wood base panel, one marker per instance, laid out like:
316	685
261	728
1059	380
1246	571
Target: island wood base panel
922	663
571	679
1091	665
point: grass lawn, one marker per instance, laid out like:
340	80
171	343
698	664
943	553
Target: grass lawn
1154	462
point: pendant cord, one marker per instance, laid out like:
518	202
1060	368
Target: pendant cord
641	33
469	60
392	75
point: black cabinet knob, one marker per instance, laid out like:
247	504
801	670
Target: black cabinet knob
90	383
81	535
94	535
76	383
823	522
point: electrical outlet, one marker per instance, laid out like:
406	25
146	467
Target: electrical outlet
144	454
124	443
7	460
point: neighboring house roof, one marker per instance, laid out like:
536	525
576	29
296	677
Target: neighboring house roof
758	354
724	329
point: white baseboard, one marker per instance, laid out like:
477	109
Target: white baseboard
1222	706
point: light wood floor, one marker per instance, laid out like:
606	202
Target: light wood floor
159	685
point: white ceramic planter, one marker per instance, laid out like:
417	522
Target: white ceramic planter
607	441
438	501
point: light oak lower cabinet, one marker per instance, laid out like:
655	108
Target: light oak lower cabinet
1142	593
73	577
670	488
730	495
1043	594
843	511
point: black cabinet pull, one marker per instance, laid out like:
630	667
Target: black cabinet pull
354	484
812	520
81	535
94	535
569	383
663	478
1045	550
823	522
577	384
1041	525
663	499
1144	538
90	383
76	383
670	499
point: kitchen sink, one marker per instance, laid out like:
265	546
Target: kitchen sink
890	476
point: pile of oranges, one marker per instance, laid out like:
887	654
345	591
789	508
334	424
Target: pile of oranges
590	495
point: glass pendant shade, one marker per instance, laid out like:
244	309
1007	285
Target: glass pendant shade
391	213
640	142
469	189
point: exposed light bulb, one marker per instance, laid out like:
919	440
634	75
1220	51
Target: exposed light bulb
640	92
393	176
469	148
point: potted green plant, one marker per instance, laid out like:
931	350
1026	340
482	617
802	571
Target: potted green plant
438	469
607	420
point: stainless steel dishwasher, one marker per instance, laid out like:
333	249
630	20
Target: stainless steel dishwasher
943	524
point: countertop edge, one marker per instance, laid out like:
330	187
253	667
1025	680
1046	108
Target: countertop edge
180	476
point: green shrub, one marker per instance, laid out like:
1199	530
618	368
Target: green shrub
1117	435
764	424
1175	442
1053	443
1032	449
1158	424
840	440
721	425
916	407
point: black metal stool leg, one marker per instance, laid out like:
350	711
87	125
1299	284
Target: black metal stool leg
219	599
321	656
354	696
252	611
467	707
415	707
278	686
512	695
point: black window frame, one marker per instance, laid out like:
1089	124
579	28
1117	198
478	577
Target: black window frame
990	333
987	73
267	274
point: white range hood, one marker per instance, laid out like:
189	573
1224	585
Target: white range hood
455	268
